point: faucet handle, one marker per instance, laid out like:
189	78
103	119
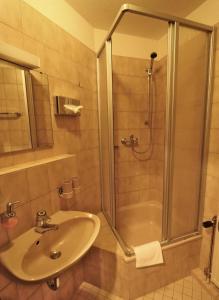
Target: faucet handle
10	209
42	214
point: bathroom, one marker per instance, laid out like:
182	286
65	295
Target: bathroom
109	127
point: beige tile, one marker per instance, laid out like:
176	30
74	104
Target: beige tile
57	173
214	145
11	91
14	187
38	295
49	294
5	278
56	201
24	221
9	75
9	292
66	291
78	273
38	181
26	290
214	119
11	13
32	22
41	203
10	35
3	236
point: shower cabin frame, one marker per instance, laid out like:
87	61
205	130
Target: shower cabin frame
173	35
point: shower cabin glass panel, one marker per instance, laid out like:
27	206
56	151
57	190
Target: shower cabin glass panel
188	136
154	89
104	73
139	55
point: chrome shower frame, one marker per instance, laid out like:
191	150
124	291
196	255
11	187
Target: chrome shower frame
173	35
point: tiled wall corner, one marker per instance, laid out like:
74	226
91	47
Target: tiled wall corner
71	71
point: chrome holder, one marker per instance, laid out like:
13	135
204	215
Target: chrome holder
13	115
54	283
208	224
130	141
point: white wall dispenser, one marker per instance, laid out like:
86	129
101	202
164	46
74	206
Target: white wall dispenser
65	106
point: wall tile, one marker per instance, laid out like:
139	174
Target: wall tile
26	290
38	181
41	203
32	22
48	294
5	278
38	295
9	292
11	13
24	221
14	187
71	70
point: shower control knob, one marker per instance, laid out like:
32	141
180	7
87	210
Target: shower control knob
130	141
124	141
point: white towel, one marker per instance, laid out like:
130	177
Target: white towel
148	254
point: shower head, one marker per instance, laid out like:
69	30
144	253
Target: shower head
153	55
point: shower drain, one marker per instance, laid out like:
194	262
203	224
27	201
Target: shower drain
54	254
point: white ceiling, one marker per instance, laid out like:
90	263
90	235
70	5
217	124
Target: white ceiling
142	26
101	13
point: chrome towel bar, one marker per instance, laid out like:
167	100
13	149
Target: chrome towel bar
10	114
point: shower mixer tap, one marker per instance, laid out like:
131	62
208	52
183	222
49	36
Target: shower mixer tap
130	141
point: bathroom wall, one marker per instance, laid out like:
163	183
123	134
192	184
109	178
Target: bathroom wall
139	177
35	186
62	13
206	13
71	70
211	206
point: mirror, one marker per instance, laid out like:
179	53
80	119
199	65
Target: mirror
25	115
42	109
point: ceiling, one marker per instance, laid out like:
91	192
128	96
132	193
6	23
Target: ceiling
101	13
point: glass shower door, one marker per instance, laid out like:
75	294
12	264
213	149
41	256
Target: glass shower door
105	131
139	108
188	131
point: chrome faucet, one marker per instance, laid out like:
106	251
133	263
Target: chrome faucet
10	210
42	224
130	141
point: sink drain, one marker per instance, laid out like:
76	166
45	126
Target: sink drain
54	254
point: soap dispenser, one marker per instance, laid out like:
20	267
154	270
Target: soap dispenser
8	218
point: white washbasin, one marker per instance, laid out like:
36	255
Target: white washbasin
28	257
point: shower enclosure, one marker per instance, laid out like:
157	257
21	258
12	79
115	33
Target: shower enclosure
153	120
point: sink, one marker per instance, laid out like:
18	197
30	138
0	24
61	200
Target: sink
34	256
